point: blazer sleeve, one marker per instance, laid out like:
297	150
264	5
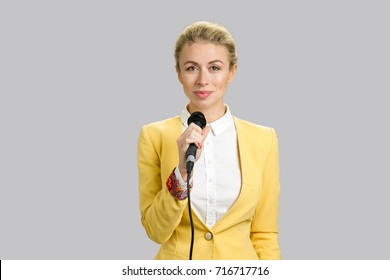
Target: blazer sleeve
161	213
264	229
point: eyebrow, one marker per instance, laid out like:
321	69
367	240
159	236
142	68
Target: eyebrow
193	62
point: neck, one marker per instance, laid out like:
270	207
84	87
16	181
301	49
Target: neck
211	114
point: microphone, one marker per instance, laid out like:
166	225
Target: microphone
199	119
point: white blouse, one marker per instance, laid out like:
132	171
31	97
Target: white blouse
217	174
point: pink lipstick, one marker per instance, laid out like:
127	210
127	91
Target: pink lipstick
203	93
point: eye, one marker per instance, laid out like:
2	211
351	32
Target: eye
191	68
215	68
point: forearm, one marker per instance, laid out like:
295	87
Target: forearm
162	215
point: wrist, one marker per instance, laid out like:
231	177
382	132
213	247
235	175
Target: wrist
183	172
176	185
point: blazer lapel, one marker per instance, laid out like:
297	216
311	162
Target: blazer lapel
239	207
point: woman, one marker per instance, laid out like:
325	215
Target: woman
235	180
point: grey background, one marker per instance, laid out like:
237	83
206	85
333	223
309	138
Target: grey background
80	78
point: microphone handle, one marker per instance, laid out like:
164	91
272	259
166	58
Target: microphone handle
191	154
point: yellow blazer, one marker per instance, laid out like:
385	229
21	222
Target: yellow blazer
249	230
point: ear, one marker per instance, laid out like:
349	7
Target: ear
178	74
232	72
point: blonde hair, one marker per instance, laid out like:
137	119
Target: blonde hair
208	32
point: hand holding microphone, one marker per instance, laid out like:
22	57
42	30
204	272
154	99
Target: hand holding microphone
191	141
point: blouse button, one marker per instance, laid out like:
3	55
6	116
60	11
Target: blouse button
208	236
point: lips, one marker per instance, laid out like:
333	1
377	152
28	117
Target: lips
202	93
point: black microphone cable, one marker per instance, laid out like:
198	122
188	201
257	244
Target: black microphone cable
190	214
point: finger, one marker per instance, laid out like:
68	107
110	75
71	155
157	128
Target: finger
194	134
195	127
197	140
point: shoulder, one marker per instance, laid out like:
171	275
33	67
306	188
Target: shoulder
162	125
160	138
255	135
252	127
161	132
261	140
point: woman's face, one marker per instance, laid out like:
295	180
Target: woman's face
204	73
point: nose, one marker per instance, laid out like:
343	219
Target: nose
202	79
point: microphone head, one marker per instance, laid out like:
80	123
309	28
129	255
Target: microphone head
197	118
